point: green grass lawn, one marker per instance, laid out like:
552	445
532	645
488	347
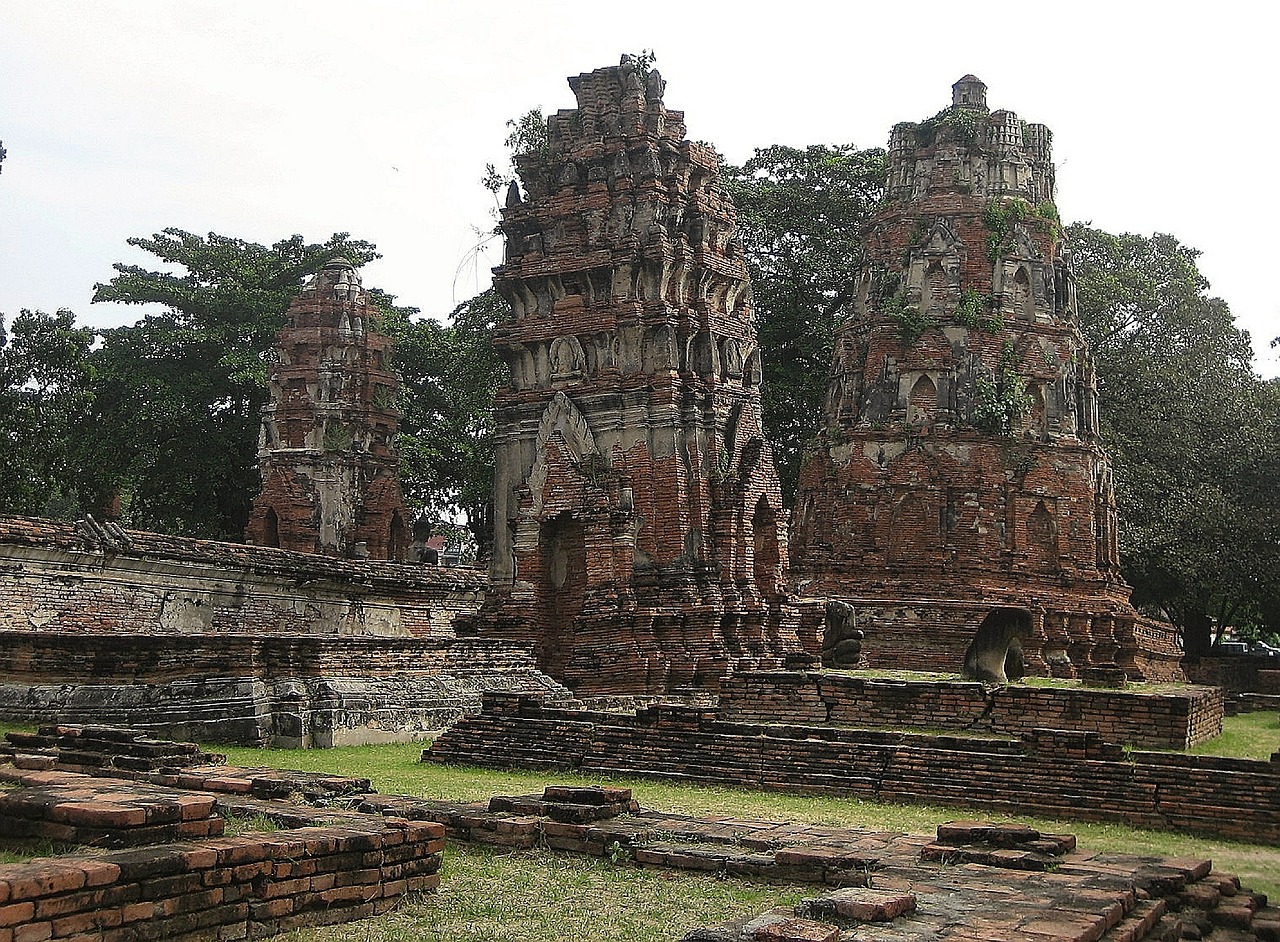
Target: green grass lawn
1247	736
536	895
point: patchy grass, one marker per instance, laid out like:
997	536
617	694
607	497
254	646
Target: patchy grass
250	825
535	895
1059	683
1246	736
20	850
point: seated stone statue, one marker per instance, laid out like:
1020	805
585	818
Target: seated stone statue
995	654
841	637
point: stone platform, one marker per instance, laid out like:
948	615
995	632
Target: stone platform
283	690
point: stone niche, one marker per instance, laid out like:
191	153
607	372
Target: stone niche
640	541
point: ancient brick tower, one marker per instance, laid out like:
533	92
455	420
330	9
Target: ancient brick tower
327	450
639	535
961	467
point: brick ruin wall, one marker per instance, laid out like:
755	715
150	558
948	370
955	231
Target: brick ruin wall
58	578
1243	674
1168	720
225	642
284	691
1045	772
225	888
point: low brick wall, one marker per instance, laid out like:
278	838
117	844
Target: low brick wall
1168	719
282	690
1049	772
59	577
1239	674
225	888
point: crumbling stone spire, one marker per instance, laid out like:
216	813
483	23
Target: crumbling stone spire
327	450
961	468
639	536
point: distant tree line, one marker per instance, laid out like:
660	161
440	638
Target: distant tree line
159	420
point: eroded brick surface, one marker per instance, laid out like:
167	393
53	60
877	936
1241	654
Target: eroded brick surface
639	539
194	884
327	452
961	467
1170	718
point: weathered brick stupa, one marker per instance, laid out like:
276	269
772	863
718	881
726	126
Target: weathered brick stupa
640	540
327	451
961	469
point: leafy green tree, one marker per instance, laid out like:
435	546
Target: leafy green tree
178	395
450	374
801	218
1191	430
44	396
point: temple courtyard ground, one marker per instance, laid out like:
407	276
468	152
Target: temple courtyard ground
491	893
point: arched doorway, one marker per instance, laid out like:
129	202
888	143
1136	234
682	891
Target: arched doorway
765	555
271	529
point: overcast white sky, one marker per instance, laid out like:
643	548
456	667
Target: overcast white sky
262	118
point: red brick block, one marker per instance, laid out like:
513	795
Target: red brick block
86	922
796	930
99	872
196	807
271	909
44	878
33	932
16	913
278	888
133	912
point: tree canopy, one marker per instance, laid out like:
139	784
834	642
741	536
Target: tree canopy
801	217
177	397
449	376
44	398
1192	431
162	416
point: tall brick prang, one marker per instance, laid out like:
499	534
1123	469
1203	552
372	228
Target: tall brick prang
640	539
327	451
961	468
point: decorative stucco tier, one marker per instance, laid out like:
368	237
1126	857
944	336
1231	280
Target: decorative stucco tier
961	467
327	450
640	539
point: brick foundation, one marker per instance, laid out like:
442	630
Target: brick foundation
1241	674
932	633
226	888
1168	720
